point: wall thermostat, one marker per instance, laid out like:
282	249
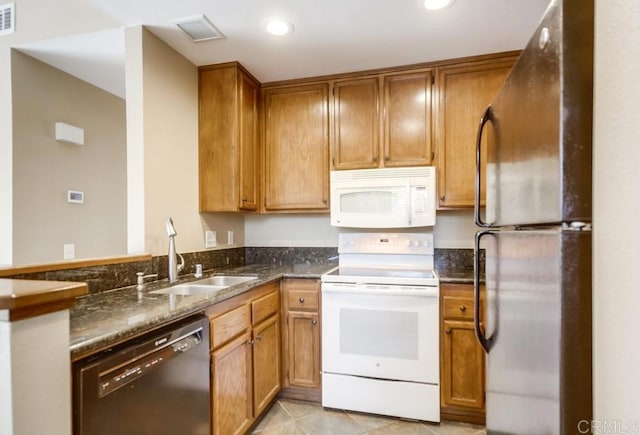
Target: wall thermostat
75	197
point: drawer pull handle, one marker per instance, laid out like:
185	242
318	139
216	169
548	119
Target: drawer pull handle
447	331
463	308
301	300
314	322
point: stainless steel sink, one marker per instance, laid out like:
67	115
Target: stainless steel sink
225	280
204	286
189	289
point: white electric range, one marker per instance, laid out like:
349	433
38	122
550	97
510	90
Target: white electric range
380	321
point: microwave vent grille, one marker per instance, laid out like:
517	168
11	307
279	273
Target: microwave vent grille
360	174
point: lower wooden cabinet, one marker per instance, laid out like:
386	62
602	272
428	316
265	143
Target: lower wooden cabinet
231	376
462	360
246	364
301	339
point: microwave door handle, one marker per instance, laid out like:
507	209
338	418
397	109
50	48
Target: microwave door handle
486	117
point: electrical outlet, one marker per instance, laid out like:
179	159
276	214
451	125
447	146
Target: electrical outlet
68	251
210	239
230	237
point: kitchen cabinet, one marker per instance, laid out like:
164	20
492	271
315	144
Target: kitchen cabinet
301	340
245	334
462	366
394	106
463	92
296	148
228	138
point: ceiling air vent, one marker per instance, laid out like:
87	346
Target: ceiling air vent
199	28
7	18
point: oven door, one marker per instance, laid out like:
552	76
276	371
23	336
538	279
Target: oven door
381	331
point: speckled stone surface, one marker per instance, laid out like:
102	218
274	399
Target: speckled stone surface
297	255
456	265
101	320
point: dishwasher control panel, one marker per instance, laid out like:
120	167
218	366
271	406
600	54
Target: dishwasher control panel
131	370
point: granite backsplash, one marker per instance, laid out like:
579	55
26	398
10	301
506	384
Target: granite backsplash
106	277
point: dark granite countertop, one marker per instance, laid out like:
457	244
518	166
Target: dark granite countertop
455	275
101	320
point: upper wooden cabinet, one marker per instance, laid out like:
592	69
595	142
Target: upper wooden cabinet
464	91
402	118
356	123
296	148
407	118
228	138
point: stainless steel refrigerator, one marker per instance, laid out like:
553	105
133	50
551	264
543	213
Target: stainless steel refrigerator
536	328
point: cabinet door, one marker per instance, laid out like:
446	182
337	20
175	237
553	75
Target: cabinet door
297	148
462	370
248	121
303	368
355	124
464	91
407	119
231	384
218	139
266	363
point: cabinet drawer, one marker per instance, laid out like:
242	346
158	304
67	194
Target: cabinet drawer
229	325
303	299
265	306
457	307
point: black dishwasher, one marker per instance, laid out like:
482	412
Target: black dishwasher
155	384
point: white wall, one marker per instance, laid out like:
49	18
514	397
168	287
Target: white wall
34	20
616	211
453	229
44	169
170	141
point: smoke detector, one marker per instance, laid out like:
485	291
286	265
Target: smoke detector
199	28
7	18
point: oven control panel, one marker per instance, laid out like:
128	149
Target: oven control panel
386	243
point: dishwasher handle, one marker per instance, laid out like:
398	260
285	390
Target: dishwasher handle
126	373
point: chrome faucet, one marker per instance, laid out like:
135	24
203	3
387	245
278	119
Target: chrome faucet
174	267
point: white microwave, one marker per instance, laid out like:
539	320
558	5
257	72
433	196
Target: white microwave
384	198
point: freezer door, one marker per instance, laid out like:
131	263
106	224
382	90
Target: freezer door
539	130
538	328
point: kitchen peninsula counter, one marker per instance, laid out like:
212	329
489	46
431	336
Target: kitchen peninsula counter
102	320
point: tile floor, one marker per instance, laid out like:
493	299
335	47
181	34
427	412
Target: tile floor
297	417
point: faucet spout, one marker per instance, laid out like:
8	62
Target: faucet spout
174	267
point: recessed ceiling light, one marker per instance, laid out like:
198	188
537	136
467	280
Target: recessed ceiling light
433	5
278	26
199	28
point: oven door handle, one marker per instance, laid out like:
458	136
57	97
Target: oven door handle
380	290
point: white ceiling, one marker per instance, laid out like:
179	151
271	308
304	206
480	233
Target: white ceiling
331	36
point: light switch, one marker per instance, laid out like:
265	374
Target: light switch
210	239
69	251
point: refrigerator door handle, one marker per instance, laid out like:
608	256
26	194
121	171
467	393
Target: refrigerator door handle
486	117
486	343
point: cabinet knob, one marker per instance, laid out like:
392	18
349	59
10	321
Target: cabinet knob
259	338
442	198
244	199
463	308
447	331
301	300
387	158
314	322
374	159
250	342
